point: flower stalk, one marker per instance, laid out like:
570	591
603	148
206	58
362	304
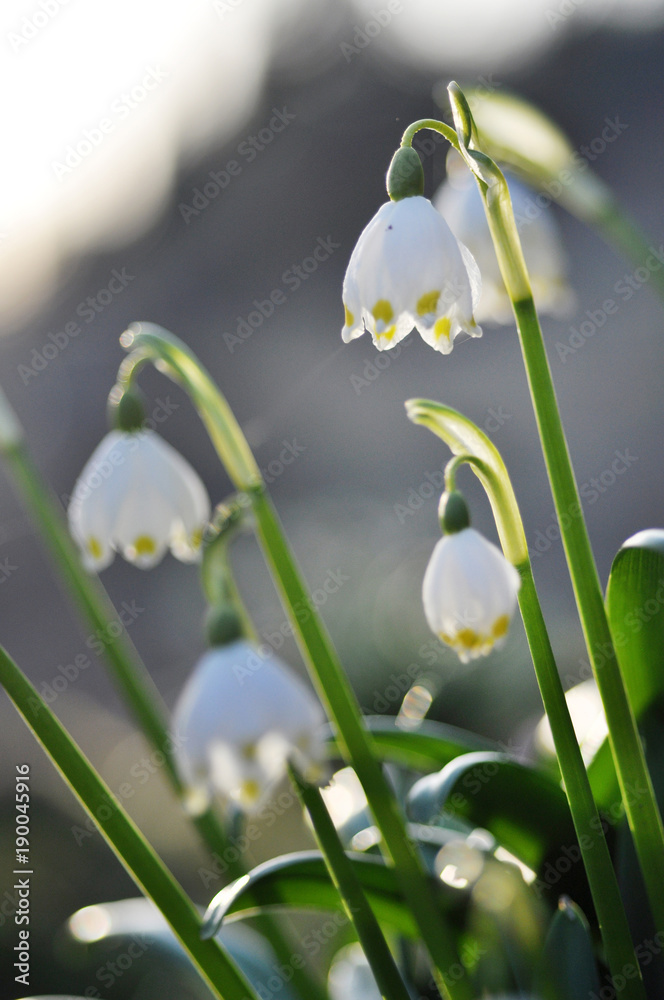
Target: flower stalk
127	668
355	902
643	815
486	462
147	341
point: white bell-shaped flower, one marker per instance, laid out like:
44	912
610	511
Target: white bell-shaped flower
242	715
459	202
138	496
469	593
408	270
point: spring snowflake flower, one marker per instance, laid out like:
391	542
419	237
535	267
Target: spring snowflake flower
138	496
459	202
408	270
241	717
469	593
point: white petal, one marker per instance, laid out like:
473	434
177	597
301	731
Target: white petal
239	717
408	270
461	205
139	496
469	593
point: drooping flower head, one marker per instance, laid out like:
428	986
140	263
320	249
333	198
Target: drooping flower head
469	589
138	496
408	270
459	202
242	715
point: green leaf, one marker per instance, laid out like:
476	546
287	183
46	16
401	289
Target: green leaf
635	607
568	961
428	748
302	881
463	437
522	807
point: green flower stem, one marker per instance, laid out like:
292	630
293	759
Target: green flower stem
355	902
145	867
635	784
616	937
130	673
435	126
460	434
643	815
127	667
173	357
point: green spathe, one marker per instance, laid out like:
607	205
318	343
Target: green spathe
405	176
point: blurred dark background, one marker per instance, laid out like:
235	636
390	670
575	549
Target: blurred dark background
224	72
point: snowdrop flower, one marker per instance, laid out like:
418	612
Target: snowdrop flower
408	270
241	717
138	496
459	202
469	592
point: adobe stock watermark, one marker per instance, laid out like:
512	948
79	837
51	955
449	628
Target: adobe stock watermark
364	35
68	673
564	10
117	456
247	150
433	483
625	288
141	771
590	491
87	310
33	24
579	161
291	279
121	108
632	624
114	968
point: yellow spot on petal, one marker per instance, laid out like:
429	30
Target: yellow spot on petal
468	638
250	791
428	303
383	311
500	627
387	334
249	751
196	538
349	319
94	547
145	546
442	327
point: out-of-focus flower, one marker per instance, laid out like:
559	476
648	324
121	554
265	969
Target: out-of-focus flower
459	202
408	270
138	496
469	593
239	719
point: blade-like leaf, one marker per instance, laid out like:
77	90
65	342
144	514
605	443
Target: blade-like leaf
568	961
301	881
522	807
635	606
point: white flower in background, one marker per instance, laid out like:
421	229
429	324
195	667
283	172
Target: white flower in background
469	593
238	721
459	202
408	270
138	496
